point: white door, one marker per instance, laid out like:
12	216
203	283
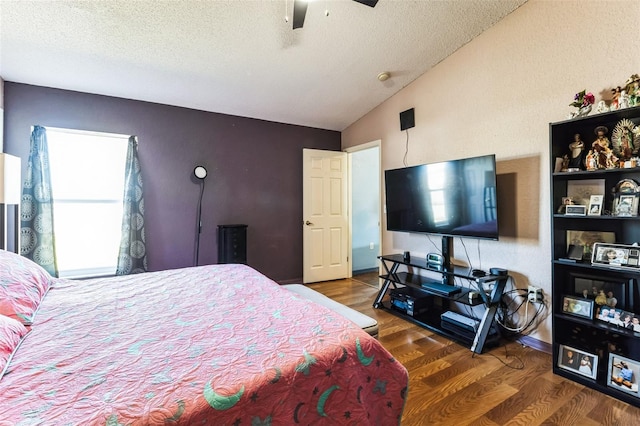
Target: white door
324	216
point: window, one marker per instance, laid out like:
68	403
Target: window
436	180
87	182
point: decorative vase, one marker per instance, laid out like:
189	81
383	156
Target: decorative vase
583	111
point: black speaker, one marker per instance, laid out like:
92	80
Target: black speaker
407	119
232	244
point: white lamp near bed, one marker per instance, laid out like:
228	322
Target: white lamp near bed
10	195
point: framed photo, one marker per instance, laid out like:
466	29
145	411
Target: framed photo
581	191
577	361
616	255
595	205
575	210
610	315
622	374
619	318
558	165
625	201
604	291
625	205
566	201
578	307
587	239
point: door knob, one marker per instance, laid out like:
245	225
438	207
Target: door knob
308	223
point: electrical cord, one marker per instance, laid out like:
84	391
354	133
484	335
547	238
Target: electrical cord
438	249
466	253
406	149
520	366
504	315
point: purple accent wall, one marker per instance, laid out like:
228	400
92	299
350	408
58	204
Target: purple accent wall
254	166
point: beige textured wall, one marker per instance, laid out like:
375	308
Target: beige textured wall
498	94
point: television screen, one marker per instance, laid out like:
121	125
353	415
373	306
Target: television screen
453	198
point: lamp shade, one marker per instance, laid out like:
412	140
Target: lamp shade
10	186
200	172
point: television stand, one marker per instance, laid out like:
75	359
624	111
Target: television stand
423	301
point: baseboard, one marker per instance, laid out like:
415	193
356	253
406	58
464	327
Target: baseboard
536	344
291	281
364	271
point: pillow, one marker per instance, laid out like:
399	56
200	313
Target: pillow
11	333
23	284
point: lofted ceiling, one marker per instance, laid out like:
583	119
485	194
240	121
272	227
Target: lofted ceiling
239	57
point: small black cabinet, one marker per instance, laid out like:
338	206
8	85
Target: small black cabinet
427	305
232	244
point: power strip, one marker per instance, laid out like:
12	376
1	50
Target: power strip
534	294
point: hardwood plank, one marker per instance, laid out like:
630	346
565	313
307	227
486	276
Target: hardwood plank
449	385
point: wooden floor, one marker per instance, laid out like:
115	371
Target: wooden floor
449	385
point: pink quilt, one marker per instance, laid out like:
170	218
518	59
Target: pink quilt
218	344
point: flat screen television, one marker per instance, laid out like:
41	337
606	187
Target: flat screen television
450	198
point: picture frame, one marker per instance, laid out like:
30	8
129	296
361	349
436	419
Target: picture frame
595	205
619	318
625	200
623	373
575	210
616	256
577	361
577	306
587	239
580	191
605	291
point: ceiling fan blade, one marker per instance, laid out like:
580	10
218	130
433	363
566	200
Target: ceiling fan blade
299	12
370	3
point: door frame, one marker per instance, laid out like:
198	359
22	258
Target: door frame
327	271
349	151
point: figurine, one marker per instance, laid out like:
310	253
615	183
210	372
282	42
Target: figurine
590	161
602	107
615	98
576	157
566	201
633	89
623	100
600	156
611	301
626	143
601	299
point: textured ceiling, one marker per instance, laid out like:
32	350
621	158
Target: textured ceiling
239	57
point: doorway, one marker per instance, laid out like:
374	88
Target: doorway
365	208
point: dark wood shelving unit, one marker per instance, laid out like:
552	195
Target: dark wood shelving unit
590	335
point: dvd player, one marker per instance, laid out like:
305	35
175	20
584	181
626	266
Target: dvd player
460	320
410	301
440	289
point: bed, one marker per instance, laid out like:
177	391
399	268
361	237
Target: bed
218	344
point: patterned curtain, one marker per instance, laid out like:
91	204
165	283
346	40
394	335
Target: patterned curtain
36	222
133	254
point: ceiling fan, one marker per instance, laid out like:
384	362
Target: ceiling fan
300	10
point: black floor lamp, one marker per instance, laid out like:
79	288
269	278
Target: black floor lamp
200	173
